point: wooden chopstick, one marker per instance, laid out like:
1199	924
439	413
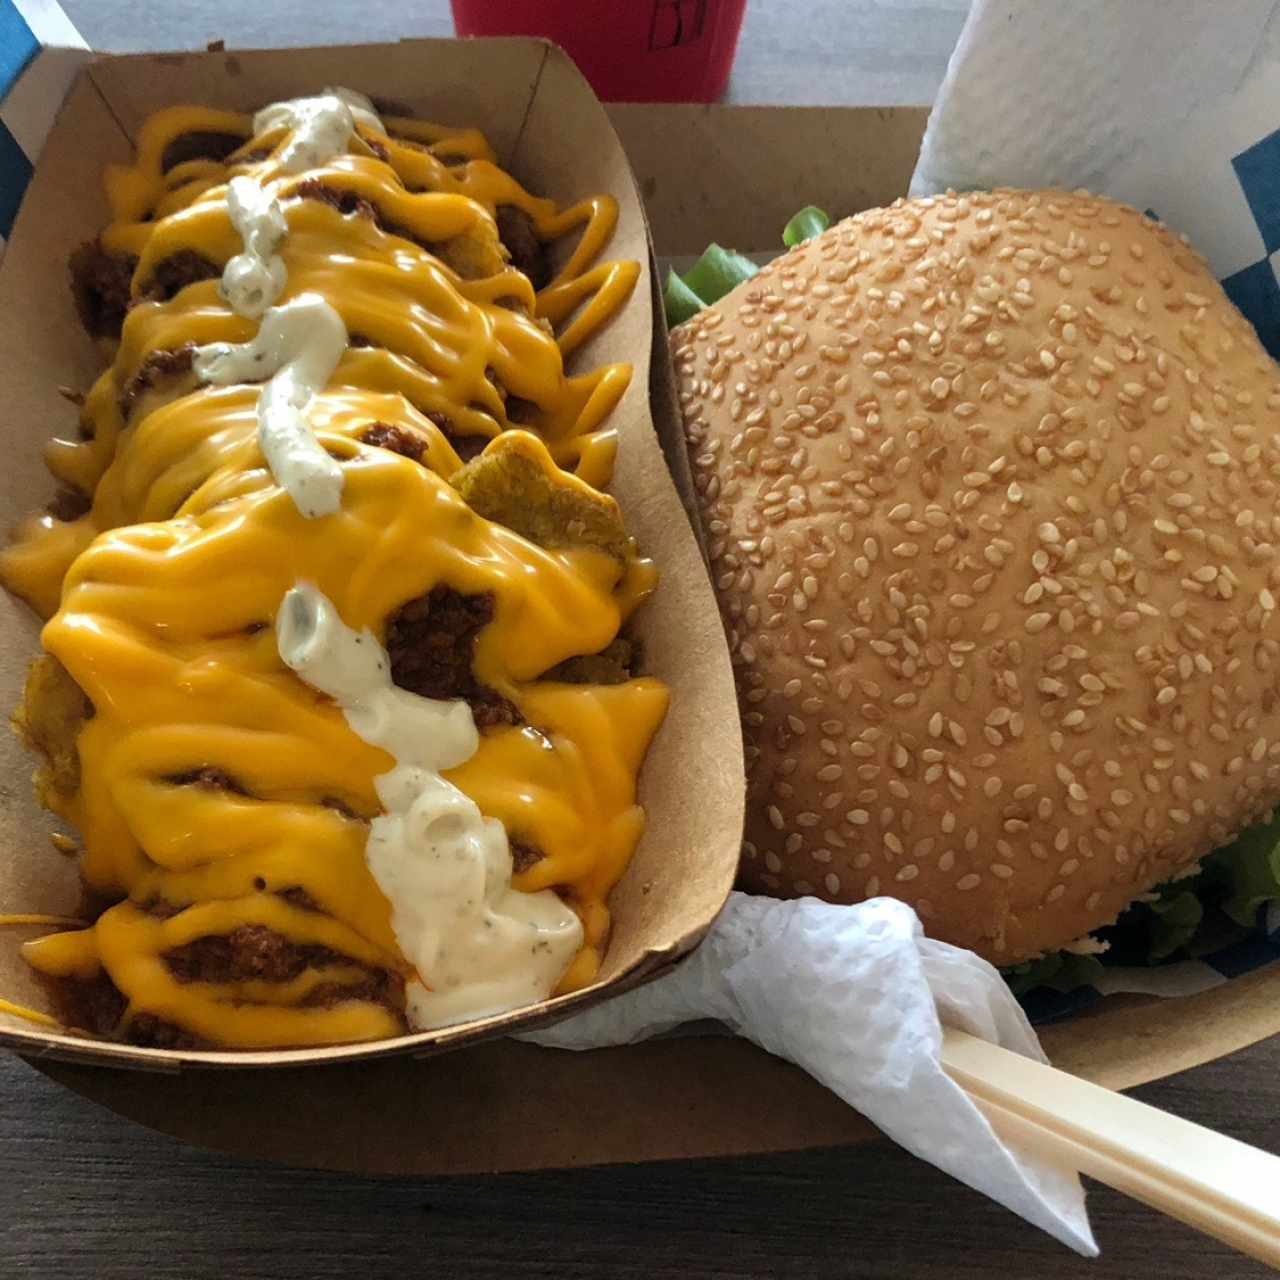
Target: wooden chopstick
1216	1184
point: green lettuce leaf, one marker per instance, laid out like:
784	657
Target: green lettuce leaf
1249	871
1175	917
1196	916
1062	971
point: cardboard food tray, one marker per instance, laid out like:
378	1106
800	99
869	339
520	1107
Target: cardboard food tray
547	127
736	176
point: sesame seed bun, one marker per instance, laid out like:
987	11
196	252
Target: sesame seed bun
989	483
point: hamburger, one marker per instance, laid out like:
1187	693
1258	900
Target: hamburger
989	488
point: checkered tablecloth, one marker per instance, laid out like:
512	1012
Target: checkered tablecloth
1255	288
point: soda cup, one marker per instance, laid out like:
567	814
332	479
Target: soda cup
630	50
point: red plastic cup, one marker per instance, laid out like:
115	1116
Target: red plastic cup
630	50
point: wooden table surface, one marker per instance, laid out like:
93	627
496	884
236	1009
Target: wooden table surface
87	1196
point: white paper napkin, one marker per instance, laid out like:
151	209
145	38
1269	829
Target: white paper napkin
853	995
1047	93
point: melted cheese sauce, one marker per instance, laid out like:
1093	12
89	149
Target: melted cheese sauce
161	599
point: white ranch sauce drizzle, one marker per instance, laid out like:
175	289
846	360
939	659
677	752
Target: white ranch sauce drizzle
297	347
254	279
483	946
321	126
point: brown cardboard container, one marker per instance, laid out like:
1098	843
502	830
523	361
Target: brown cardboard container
548	128
733	174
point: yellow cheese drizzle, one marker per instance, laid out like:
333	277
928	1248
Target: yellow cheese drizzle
30	917
48	922
159	595
30	1015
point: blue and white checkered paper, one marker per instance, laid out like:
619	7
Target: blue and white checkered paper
1172	106
40	52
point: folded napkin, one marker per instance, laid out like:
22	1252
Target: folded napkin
1041	93
856	996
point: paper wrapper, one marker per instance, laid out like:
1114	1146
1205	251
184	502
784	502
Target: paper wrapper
550	131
